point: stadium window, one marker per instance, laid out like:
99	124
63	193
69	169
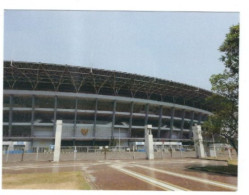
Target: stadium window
44	117
5	131
104	119
22	101
21	131
66	103
153	121
22	116
138	133
5	116
86	104
123	107
44	102
166	111
178	113
85	118
154	110
139	108
105	105
122	120
6	101
66	117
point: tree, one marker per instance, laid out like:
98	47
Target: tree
224	121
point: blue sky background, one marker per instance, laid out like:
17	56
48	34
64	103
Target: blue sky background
178	46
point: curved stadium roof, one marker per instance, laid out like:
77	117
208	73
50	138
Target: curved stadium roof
64	78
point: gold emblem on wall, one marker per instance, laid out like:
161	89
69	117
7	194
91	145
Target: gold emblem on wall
84	131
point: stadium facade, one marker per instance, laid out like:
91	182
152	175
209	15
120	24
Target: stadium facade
98	107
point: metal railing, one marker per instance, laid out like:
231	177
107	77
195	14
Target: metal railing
113	152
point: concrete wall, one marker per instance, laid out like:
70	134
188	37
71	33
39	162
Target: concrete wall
84	126
42	143
90	156
43	131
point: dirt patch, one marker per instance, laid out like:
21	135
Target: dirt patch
62	180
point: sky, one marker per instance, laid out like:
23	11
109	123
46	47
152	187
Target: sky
177	46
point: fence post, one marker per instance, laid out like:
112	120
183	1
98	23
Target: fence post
75	153
7	157
181	151
37	153
22	154
133	152
171	151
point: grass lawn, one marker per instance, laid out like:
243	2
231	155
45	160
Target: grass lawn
61	180
233	162
230	169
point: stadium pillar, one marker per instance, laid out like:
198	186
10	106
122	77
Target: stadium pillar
191	123
130	121
10	115
199	118
160	122
172	121
32	115
149	142
57	145
95	118
113	117
182	123
75	116
146	114
55	112
198	141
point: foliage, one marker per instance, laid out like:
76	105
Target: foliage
224	121
113	142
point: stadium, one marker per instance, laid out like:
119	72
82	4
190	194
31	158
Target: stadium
97	107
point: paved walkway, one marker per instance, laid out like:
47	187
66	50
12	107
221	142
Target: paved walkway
156	175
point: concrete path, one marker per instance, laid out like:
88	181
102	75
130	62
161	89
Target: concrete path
156	175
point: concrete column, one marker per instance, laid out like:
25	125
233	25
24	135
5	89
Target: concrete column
10	115
146	114
75	116
160	122
95	118
182	122
55	112
113	117
149	142
32	115
131	114
172	121
191	123
198	141
57	145
199	118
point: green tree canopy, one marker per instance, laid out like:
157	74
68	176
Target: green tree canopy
224	121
